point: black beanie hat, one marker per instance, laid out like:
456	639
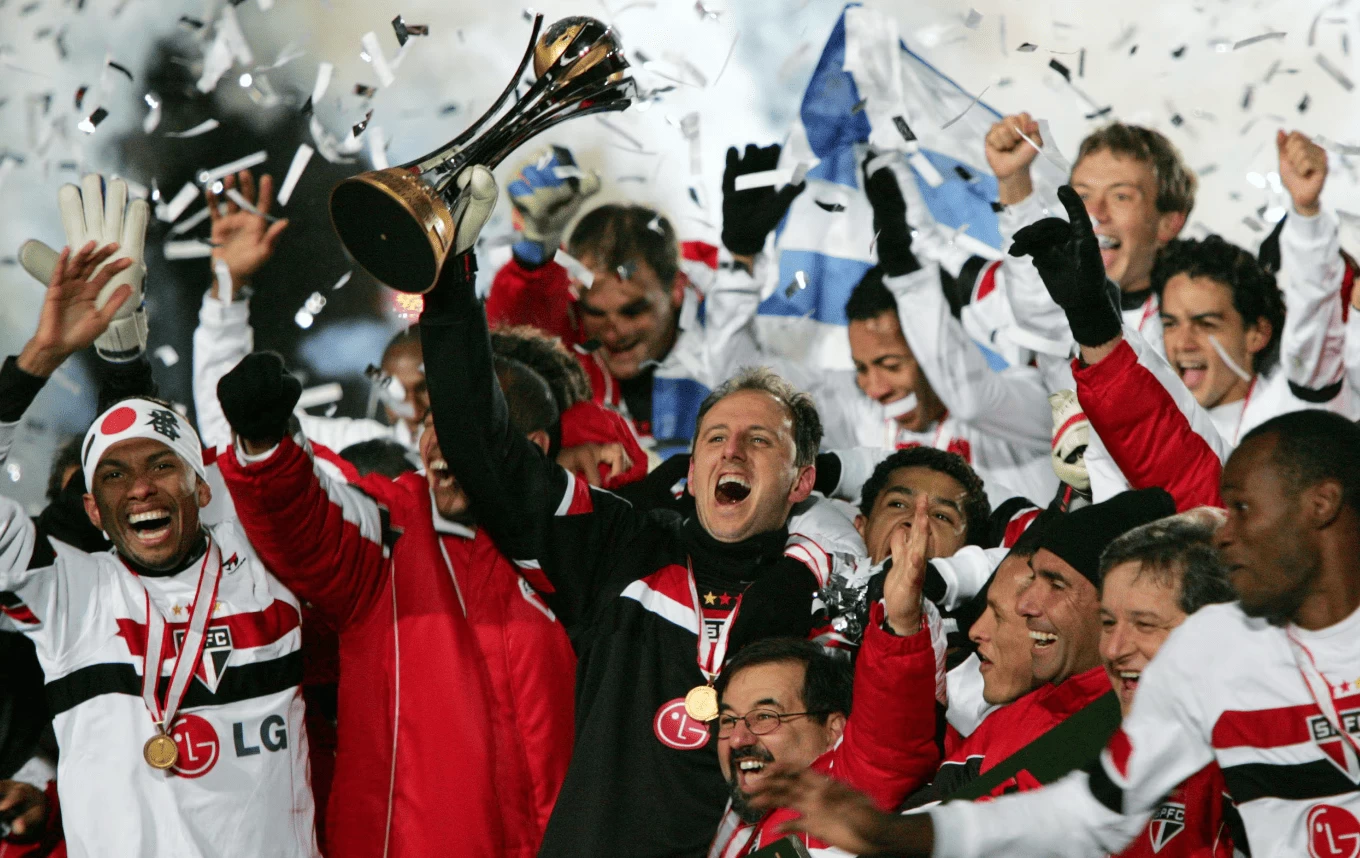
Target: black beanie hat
1080	537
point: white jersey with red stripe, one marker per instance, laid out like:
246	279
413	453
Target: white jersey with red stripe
1224	687
241	783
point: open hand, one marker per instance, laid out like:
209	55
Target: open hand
838	815
241	238
69	320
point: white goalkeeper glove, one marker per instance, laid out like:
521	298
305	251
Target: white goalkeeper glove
103	215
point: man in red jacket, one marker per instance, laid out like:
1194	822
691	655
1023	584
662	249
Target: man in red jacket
455	697
786	701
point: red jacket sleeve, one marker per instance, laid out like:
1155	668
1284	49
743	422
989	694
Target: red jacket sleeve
540	297
322	539
888	749
592	423
1148	435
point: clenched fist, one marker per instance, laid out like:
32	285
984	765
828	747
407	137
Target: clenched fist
1010	156
1303	170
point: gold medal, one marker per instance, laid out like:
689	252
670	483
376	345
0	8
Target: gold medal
701	703
160	752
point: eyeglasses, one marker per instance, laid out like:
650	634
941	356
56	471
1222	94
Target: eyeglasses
759	721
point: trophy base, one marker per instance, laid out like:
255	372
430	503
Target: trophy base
394	227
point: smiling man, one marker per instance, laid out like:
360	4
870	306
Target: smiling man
654	603
787	702
172	662
1059	607
1139	193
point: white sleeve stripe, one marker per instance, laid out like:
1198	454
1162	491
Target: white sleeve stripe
355	507
564	505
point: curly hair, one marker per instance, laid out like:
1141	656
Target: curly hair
869	298
1176	182
1254	293
976	508
546	356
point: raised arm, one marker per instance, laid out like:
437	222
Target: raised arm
537	512
1313	343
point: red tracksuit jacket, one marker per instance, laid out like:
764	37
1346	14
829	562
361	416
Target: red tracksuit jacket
423	718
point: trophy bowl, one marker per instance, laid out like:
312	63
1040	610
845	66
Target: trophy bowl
400	223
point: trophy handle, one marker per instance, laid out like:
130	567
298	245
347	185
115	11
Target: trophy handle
434	156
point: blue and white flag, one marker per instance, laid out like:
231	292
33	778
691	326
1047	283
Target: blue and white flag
870	90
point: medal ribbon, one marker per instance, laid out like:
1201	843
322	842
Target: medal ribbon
710	662
1321	691
205	596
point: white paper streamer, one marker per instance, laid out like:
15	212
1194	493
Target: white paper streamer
224	285
207	177
186	250
377	147
323	394
1227	359
323	80
300	158
171	211
578	272
201	128
377	58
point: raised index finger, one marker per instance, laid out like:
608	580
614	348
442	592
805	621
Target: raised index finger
1076	212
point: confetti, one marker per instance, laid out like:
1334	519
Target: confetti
323	80
192	249
405	31
1336	73
925	169
1027	48
859	106
201	128
972	20
80	95
1179	52
315	303
1303	105
834	208
962	173
300	158
240	200
344	278
303	319
358	127
970	106
575	269
904	129
191	23
171	211
1104	111
91	122
1133	50
119	67
626	271
363	90
1254	39
1081	63
167	355
1061	69
191	222
1252	223
323	394
254	159
798	284
375	56
13	471
764	179
1246	97
153	117
705	13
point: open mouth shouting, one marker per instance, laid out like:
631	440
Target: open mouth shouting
1109	248
440	478
748	766
732	489
1128	681
150	528
1192	371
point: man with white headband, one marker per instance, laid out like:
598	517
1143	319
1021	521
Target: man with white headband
209	756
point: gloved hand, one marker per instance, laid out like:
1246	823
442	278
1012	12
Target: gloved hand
547	191
750	215
476	201
893	240
93	213
1071	436
1067	257
258	396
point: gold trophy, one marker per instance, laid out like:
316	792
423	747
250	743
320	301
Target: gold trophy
399	223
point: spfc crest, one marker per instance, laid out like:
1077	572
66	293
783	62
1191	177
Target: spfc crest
1339	750
217	649
1166	823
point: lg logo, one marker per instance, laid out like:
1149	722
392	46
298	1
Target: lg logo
273	736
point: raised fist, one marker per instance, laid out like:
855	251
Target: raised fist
258	396
1303	170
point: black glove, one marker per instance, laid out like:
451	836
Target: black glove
1067	257
750	215
258	397
890	221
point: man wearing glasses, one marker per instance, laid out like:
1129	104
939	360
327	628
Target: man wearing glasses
786	701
